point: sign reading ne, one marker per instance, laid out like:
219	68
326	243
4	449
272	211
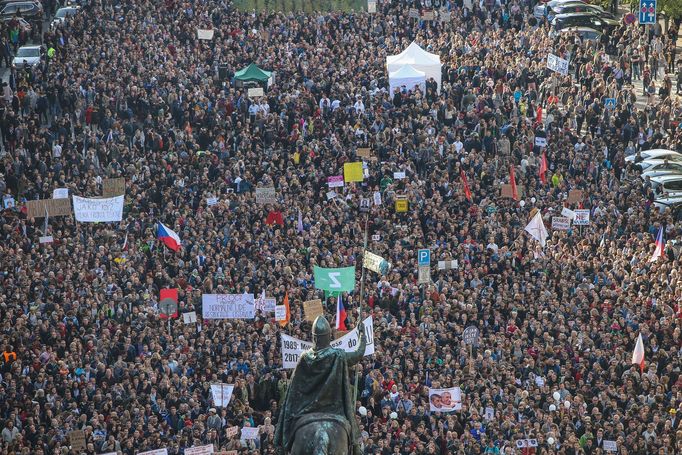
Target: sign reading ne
98	210
228	306
266	195
582	217
292	348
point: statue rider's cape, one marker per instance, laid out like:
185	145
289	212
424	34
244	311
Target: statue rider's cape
320	384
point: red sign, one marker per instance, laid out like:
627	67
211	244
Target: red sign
630	18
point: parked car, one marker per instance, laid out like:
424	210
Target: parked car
27	9
591	20
62	13
28	56
541	9
656	154
24	25
584	33
578	7
665	184
664	168
670	202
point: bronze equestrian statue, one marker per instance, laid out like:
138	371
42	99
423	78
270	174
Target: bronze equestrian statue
318	415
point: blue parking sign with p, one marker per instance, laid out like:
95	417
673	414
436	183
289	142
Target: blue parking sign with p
424	257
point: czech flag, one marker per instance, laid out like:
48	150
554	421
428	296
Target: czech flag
660	246
340	314
169	237
638	353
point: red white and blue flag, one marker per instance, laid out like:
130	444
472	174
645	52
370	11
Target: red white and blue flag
340	314
169	237
660	246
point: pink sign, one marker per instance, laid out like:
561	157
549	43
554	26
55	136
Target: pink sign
335	181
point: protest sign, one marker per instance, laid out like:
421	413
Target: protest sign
54	207
582	217
568	213
334	279
424	276
312	309
331	195
231	431
448	265
189	318
292	348
46	239
413	13
371	6
610	446
445	400
221	393
280	312
60	193
399	175
77	439
227	452
377	198
228	306
489	413
335	181
561	223
444	17
557	64
205	34
200	450
540	141
575	196
523	443
249	433
352	172
102	210
113	187
401	204
163	451
364	152
8	202
266	195
255	92
471	335
265	305
427	16
211	201
375	263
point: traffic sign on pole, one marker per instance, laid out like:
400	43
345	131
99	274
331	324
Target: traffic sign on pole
647	12
424	257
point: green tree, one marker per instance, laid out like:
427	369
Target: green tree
673	8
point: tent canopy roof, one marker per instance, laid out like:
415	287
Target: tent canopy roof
413	55
252	72
405	72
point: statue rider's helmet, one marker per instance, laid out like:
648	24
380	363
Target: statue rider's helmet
322	333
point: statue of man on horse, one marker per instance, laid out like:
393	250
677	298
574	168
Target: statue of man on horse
318	414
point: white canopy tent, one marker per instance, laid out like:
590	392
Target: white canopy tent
408	76
417	58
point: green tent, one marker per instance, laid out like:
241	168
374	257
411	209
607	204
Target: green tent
252	73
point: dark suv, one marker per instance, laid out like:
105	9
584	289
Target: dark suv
27	10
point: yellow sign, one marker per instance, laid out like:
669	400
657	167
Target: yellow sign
401	205
352	172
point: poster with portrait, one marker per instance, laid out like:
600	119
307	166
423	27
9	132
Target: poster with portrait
445	400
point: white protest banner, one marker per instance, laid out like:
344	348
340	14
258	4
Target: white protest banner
541	142
280	312
228	306
266	195
557	64
335	181
255	92
211	201
249	433
399	175
375	263
231	431
60	193
200	450
568	213
46	239
448	265
205	34
222	393
371	6
189	318
331	195
582	217
98	210
610	446
445	400
349	341
163	451
561	223
377	198
265	305
292	348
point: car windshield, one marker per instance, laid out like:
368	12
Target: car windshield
26	52
63	12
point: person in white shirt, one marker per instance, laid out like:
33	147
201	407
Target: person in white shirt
359	106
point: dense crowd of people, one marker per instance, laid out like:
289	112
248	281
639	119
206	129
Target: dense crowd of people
129	91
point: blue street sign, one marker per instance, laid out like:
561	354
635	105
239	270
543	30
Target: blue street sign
647	12
424	257
610	103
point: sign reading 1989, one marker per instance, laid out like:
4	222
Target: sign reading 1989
647	12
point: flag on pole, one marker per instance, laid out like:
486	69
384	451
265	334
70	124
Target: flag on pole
299	224
512	181
340	314
638	353
660	246
285	321
465	183
536	228
169	237
125	243
543	168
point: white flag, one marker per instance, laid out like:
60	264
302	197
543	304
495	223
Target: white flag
536	228
638	353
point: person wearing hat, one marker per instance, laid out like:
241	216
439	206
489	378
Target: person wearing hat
214	421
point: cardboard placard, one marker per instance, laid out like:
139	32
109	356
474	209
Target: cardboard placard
364	152
312	309
54	207
575	196
113	187
428	16
506	190
232	431
77	439
266	195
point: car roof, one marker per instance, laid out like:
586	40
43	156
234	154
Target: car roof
580	28
30	47
666	178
